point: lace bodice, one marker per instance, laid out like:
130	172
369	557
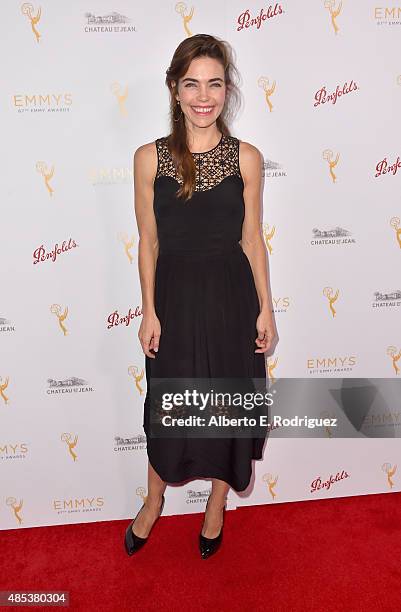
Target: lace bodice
211	221
211	166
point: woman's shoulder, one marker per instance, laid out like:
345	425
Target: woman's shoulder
145	157
148	151
248	152
247	147
250	158
148	147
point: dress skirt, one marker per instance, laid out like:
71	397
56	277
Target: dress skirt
207	306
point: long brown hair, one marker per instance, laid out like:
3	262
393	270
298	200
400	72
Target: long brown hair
190	48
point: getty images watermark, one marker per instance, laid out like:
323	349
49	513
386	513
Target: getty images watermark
223	407
341	407
194	398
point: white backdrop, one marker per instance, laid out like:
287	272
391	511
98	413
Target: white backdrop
82	87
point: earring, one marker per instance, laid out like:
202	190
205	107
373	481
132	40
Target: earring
178	104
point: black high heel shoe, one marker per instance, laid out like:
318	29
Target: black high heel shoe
133	542
208	546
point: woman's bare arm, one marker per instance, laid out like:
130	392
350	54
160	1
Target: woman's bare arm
252	241
145	167
253	244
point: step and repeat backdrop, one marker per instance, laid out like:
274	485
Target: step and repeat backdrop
82	88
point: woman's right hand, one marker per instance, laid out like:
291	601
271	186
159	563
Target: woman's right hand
149	334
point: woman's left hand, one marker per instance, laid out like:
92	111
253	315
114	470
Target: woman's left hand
266	329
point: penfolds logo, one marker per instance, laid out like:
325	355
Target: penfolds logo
318	483
246	21
322	97
41	254
383	167
115	319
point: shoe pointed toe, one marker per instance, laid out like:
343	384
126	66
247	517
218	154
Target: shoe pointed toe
209	546
133	542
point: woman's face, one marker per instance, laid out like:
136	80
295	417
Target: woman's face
202	92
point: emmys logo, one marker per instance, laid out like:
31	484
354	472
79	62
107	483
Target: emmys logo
40	253
75	505
332	163
12	503
61	316
263	82
388	420
268	235
27	10
197	497
334	12
246	21
271	484
128	244
389	471
325	414
387	300
387	16
68	385
140	491
395	356
112	22
137	375
396	225
47	175
271	169
38	103
121	97
181	9
137	442
270	365
322	97
332	297
115	319
6	325
383	168
3	387
13	451
110	176
330	365
318	484
337	235
71	444
281	304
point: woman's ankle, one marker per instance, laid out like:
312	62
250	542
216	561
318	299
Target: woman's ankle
154	501
217	502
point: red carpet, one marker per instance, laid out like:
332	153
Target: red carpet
325	555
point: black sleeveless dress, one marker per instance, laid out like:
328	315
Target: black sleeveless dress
207	305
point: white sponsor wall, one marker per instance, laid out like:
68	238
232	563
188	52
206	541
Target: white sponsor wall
82	87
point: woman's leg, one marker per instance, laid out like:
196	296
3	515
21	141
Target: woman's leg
214	513
149	513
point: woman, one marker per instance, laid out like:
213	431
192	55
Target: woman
204	295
